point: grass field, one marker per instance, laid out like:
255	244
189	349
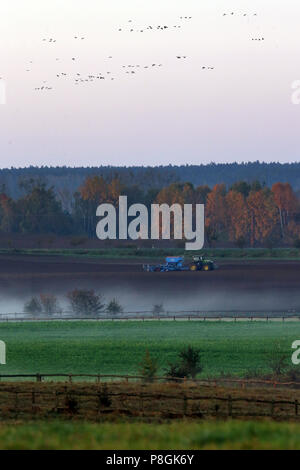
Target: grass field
140	436
134	252
118	347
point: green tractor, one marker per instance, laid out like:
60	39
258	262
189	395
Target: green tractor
200	263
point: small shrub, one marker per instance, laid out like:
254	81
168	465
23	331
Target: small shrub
85	302
104	398
33	306
148	368
49	304
157	309
191	361
189	364
175	371
114	307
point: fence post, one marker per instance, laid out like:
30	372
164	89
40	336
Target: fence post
33	400
185	404
272	408
230	406
16	404
99	401
38	377
141	404
56	400
296	407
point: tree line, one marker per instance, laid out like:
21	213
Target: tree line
66	180
245	214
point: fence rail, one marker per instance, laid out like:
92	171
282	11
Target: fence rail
16	403
243	383
147	316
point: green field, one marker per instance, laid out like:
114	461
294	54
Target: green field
140	436
136	252
117	347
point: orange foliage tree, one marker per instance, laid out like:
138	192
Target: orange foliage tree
237	216
216	212
263	215
286	203
96	191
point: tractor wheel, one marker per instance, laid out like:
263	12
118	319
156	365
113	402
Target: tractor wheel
193	267
206	267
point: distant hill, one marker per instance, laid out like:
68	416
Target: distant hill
69	179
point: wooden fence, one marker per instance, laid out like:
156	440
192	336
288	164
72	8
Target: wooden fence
98	378
205	316
100	403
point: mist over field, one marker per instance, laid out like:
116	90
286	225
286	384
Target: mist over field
198	297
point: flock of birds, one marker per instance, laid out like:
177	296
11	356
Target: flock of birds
136	29
132	69
232	13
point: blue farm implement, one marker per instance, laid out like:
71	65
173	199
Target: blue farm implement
177	264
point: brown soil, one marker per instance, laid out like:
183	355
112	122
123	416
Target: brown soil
137	400
240	285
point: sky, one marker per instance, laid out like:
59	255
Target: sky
227	98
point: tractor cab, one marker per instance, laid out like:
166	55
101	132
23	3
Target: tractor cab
200	263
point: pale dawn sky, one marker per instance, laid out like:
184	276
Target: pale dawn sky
134	82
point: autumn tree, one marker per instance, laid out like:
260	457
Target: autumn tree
85	302
286	203
263	215
50	304
216	210
173	194
7	214
237	216
95	191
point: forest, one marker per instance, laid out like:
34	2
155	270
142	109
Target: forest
240	214
68	180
